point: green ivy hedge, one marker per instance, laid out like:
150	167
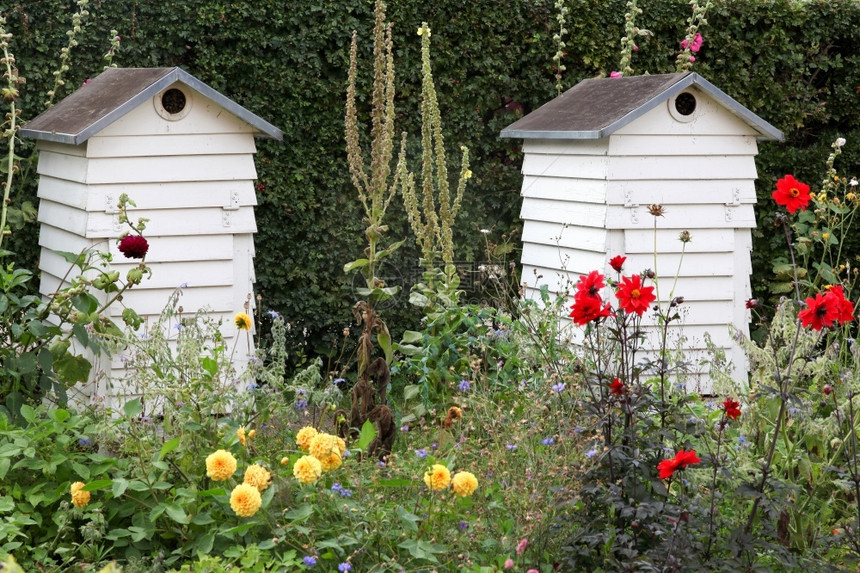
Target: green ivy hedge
792	62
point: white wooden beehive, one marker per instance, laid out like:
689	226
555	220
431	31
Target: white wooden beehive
189	168
600	154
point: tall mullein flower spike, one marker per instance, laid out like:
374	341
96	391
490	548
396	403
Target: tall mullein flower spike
9	128
65	53
561	17
432	218
685	59
628	41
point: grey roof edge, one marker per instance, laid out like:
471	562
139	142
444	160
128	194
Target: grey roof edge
766	130
171	77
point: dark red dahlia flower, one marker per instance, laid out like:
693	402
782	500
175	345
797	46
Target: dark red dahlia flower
133	246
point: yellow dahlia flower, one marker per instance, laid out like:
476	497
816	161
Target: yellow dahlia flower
258	476
464	484
242	321
220	465
307	469
323	445
330	462
285	460
438	477
304	437
240	433
245	500
79	498
341	445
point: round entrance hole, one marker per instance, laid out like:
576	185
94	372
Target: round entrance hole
173	101
685	104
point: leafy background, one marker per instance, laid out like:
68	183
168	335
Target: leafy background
793	63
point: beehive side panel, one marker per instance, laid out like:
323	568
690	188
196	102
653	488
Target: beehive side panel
564	189
138	145
63	166
171	169
678	144
681	192
62	217
565	236
557	165
173	195
564	212
686	168
178	222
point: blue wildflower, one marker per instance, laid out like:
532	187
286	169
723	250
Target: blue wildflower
344	567
511	446
252	386
84	442
338	381
463	526
301	405
273	314
464	386
309	560
404	428
591	453
559	388
548	441
422	453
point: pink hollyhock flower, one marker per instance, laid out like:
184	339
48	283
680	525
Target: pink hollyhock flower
692	59
695	45
521	546
509	563
615	74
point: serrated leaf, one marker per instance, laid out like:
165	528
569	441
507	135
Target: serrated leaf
132	408
366	435
300	513
168	447
97	484
411	337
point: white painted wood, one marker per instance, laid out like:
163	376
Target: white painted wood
681	145
564	147
63	166
584	214
57	239
62	217
564	189
172	168
641	241
679	192
191	144
679	217
581	166
204	117
677	167
62	148
182	248
701	265
571	260
206	221
150	302
169	275
71	193
568	236
710	119
175	195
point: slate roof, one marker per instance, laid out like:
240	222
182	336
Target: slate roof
114	93
597	107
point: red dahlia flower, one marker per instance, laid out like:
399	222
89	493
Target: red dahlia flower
681	460
732	407
844	307
617	263
632	296
589	286
819	312
133	246
791	193
588	308
616	387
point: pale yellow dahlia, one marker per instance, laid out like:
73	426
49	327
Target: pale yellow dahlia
240	433
307	469
245	500
331	461
258	476
79	498
220	465
438	477
464	484
304	437
242	321
341	445
323	445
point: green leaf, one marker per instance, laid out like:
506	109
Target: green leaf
409	519
168	447
133	408
357	264
59	415
97	484
205	543
6	503
412	336
411	391
28	413
368	432
176	513
72	369
119	486
300	513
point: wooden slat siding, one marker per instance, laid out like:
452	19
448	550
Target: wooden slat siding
693	289
63	166
681	217
702	265
62	148
711	119
564	189
175	195
564	147
150	302
577	166
181	248
169	169
568	236
172	274
63	217
562	259
681	168
640	241
176	222
204	117
565	212
694	333
56	239
71	193
714	192
174	144
661	144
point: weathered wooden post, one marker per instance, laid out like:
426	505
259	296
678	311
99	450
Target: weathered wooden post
184	154
598	155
